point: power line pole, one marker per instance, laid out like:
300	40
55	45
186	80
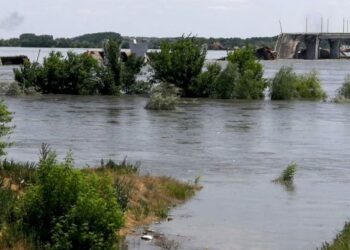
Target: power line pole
306	24
327	25
281	26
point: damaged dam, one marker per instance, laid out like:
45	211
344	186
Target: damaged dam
308	45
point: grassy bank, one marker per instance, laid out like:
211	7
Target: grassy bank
341	241
52	205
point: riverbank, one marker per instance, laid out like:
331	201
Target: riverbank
144	199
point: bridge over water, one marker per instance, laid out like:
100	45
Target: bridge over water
307	45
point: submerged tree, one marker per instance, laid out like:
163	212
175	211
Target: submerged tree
179	63
251	84
80	74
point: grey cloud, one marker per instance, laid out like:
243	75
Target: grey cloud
11	21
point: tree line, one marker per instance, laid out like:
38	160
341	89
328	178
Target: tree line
97	40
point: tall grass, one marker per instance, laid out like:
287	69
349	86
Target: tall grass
341	241
343	94
287	85
21	174
123	167
288	174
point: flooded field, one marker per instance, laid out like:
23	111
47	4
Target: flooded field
236	148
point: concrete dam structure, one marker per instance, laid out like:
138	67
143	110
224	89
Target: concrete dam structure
308	45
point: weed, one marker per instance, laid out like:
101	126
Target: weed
341	241
287	176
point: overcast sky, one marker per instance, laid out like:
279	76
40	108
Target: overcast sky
208	18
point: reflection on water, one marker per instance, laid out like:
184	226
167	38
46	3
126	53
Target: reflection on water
236	147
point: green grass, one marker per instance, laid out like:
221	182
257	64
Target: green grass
123	167
20	174
341	241
288	174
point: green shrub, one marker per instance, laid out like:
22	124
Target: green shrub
70	209
309	87
179	63
80	74
130	68
5	119
123	188
75	74
250	84
30	75
163	97
225	83
112	53
283	85
341	241
287	176
204	85
241	79
123	167
8	199
287	85
344	91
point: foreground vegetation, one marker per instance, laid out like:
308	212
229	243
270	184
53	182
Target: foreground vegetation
52	205
341	241
287	85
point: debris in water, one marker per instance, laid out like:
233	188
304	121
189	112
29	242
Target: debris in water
147	237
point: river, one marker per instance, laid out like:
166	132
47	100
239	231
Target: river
236	147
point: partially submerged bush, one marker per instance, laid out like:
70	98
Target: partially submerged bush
287	85
225	83
287	176
344	91
251	84
130	68
204	84
80	74
179	63
343	94
163	97
241	79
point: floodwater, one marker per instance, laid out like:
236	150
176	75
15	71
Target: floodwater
236	148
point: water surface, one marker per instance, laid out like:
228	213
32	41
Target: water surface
236	147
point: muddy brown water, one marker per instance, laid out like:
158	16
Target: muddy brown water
236	147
